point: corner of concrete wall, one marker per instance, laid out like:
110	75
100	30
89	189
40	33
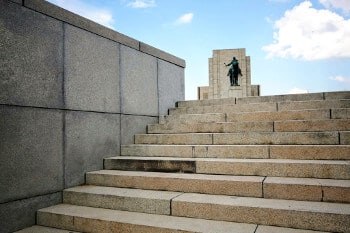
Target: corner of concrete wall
71	93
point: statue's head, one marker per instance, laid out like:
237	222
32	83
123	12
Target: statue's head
234	58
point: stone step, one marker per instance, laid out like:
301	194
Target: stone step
193	118
210	127
90	219
41	229
263	106
274	98
134	200
306	189
323	152
260	126
250	186
323	169
247	138
319	216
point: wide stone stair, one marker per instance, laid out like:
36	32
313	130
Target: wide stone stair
272	164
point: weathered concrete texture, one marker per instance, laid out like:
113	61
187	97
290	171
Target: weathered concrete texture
139	88
284	213
336	152
104	220
197	151
31	67
171	85
90	138
344	138
31	152
133	124
280	115
91	71
198	183
135	200
340	113
312	125
41	229
155	164
20	214
271	229
192	118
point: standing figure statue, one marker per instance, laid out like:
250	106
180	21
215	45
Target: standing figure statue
234	71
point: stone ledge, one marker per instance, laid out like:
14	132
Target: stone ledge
86	24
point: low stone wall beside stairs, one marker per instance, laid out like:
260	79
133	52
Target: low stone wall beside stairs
71	92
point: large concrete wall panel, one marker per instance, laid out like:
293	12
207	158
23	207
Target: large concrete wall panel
139	86
19	214
91	71
132	124
31	65
171	85
31	152
90	137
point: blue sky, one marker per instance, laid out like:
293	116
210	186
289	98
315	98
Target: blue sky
295	46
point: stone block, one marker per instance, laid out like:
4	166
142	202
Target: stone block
340	113
133	124
31	152
312	125
272	229
171	85
278	168
139	88
337	95
281	98
150	164
336	190
19	214
90	137
145	48
232	151
344	138
281	115
303	189
277	138
197	183
80	22
31	67
41	229
102	220
135	200
172	139
284	213
328	152
193	118
317	104
91	72
157	150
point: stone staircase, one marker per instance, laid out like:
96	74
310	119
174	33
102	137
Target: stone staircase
273	164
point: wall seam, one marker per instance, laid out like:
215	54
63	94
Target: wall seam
64	127
157	70
120	97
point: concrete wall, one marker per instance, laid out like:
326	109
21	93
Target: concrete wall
71	92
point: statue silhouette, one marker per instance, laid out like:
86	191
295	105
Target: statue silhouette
234	71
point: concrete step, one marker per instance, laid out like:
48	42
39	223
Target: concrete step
250	186
323	169
41	229
134	200
323	152
274	98
312	125
305	189
210	127
247	138
90	219
193	118
285	213
263	106
260	126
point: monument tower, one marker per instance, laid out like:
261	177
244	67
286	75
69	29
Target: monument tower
219	83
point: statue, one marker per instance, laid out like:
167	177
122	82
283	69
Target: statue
234	72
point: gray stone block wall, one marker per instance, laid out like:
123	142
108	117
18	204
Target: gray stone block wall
71	93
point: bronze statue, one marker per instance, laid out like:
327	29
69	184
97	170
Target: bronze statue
234	71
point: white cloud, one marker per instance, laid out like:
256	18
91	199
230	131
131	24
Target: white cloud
186	18
338	4
297	90
340	79
142	3
310	34
96	14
